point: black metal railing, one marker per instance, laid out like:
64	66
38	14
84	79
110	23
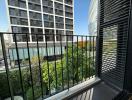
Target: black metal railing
36	70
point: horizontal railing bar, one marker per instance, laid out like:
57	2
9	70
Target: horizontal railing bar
47	34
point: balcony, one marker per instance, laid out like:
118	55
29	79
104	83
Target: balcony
66	71
79	68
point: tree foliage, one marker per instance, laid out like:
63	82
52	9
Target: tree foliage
74	67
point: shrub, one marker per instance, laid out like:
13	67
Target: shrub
37	92
15	82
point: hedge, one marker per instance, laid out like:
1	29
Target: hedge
15	82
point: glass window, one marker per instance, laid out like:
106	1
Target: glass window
22	4
68	9
18	3
23	21
59	12
12	2
60	35
30	5
69	21
60	25
68	14
20	37
69	26
70	37
13	12
48	3
48	9
14	20
59	19
36	23
38	16
59	22
69	2
49	18
34	7
46	17
49	24
38	31
23	13
49	35
58	6
35	15
37	7
15	29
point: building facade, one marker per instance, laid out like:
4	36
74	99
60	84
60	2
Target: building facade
42	17
92	17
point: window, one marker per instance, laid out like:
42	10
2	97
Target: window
69	21
36	23
60	25
20	37
69	26
49	35
34	7
46	18
13	12
60	35
48	9
70	37
12	2
23	13
37	7
15	29
58	6
68	9
38	31
48	3
17	12
48	21
59	19
14	20
22	4
59	12
34	15
49	24
20	29
18	3
59	22
68	14
23	21
69	2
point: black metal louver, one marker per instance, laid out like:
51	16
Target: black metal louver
113	34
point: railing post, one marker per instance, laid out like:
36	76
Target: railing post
6	65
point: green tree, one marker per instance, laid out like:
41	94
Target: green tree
74	67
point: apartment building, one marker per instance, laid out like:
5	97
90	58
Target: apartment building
42	17
92	17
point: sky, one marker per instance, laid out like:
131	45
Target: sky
80	17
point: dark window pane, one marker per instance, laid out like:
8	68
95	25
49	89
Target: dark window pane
20	37
60	35
69	2
70	33
38	31
49	35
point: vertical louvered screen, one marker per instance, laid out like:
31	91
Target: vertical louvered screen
113	30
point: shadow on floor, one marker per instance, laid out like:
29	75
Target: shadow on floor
98	92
